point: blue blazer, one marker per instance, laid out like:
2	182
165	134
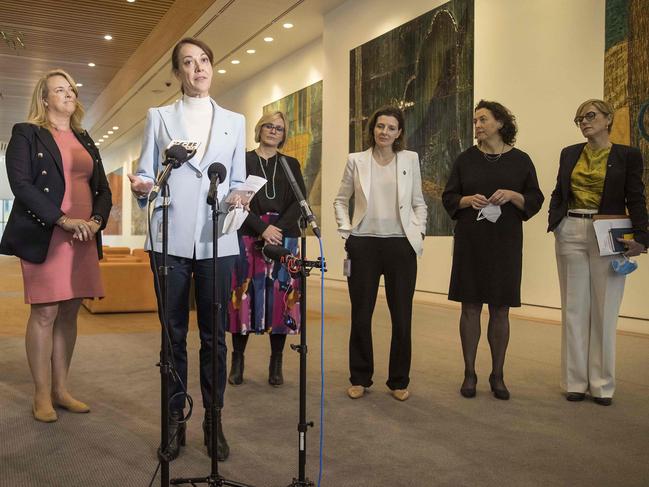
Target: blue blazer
190	226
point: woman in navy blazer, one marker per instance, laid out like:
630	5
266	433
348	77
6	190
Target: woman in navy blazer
62	201
596	177
221	134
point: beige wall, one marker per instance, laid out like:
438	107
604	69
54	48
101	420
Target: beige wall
540	58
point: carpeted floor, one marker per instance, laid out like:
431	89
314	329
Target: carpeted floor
437	438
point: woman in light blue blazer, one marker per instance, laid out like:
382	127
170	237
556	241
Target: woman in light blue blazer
221	134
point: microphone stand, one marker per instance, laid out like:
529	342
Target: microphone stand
214	478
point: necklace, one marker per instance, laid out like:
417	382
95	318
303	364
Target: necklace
261	164
492	157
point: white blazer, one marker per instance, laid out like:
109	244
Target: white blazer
190	226
356	181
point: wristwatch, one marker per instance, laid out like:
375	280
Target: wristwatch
97	219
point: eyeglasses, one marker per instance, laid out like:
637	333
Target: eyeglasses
269	126
589	117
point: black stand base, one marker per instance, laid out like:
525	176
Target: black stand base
301	483
211	480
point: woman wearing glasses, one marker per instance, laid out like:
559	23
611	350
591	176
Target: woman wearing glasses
595	177
265	298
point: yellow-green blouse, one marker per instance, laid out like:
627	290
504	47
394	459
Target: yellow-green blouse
587	180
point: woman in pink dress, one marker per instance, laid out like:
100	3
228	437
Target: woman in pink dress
62	201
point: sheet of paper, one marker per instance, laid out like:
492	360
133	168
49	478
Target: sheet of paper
602	227
246	190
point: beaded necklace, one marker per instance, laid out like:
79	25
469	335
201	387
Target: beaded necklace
266	177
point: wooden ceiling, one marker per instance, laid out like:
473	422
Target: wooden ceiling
68	34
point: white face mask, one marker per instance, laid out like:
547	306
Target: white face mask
234	219
490	212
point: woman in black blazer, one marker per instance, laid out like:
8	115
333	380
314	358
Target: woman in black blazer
62	201
596	177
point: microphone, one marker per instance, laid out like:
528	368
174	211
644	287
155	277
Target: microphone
174	157
304	205
283	256
216	173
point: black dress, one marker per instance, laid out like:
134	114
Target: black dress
487	257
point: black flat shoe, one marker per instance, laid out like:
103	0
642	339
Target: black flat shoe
603	401
575	396
469	385
499	393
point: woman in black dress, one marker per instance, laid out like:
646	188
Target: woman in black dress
492	189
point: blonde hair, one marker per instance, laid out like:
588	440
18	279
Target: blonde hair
37	109
268	118
602	106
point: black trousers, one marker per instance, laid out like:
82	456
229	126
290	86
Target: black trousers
179	279
395	259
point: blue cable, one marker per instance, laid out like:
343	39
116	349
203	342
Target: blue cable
322	375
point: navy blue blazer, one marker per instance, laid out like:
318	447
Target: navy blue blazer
623	188
35	173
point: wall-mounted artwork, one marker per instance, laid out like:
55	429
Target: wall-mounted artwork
626	73
114	224
303	109
138	215
426	67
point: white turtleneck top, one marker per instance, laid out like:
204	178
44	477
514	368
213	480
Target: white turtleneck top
197	120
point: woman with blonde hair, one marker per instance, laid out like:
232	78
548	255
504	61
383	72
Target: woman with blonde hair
62	201
595	177
265	297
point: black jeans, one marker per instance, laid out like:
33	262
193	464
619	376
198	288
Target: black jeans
395	259
180	274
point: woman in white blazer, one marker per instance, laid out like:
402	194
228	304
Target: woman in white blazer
384	236
221	134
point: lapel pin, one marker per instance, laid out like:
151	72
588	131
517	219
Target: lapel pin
404	173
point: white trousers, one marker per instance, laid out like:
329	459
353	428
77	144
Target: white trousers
591	294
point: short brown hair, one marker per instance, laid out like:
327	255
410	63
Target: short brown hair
267	118
502	114
175	62
601	105
388	111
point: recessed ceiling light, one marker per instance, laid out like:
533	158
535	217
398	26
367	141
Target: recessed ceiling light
104	136
110	132
92	65
268	39
109	37
221	71
235	61
251	51
115	127
130	1
79	85
97	144
288	25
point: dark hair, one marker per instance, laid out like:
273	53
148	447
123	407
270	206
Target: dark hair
388	111
175	62
502	114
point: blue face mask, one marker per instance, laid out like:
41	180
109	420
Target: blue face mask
624	266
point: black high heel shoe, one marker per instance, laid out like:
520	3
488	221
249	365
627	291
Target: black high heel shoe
177	431
502	393
467	390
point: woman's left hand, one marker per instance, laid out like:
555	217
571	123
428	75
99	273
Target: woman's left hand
501	196
633	248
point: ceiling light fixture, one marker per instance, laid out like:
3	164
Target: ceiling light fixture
110	132
108	37
221	71
268	39
251	51
288	25
97	144
79	85
92	65
115	127
130	1
235	61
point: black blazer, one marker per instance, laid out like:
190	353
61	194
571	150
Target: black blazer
623	188
35	173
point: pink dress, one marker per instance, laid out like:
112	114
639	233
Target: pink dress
71	268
